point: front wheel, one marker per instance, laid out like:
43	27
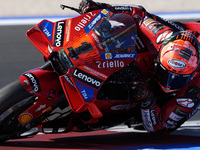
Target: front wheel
14	99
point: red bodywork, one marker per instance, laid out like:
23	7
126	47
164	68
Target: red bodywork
50	38
47	36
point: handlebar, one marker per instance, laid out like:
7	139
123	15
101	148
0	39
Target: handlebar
73	53
72	8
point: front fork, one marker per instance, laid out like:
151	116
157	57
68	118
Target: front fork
44	84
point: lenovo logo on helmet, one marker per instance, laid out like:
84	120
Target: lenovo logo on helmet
175	63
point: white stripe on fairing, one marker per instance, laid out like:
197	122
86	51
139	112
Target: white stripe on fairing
35	20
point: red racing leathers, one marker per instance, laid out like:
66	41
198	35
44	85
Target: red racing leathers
184	102
180	105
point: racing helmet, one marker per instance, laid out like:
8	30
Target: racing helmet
178	61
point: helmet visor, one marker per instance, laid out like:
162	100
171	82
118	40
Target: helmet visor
171	81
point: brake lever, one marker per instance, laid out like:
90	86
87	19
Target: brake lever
72	8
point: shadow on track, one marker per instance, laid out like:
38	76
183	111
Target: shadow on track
100	140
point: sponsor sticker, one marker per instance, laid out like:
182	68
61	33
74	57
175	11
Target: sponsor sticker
33	81
59	34
185	102
87	78
47	28
94	72
175	117
155	28
41	107
97	41
179	112
175	63
132	55
170	122
85	20
153	25
51	95
105	11
95	20
69	80
148	21
25	118
154	117
108	55
125	56
163	36
147	119
123	8
110	64
173	24
86	92
166	125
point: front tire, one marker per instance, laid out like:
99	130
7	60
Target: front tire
14	99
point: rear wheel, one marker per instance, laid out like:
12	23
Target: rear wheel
14	99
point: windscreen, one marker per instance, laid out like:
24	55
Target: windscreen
116	33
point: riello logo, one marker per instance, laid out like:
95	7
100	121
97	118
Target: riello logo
110	64
87	78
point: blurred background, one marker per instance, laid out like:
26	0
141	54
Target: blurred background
23	8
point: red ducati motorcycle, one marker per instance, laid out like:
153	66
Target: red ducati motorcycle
83	85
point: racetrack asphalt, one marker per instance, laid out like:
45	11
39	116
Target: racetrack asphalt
17	54
103	140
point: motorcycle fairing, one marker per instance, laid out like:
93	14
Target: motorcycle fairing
48	37
86	86
45	85
96	19
84	94
38	40
92	64
91	59
47	29
76	100
41	36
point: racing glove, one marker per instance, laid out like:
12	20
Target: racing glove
149	108
88	5
140	90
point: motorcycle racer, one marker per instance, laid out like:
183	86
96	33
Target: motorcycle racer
176	68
